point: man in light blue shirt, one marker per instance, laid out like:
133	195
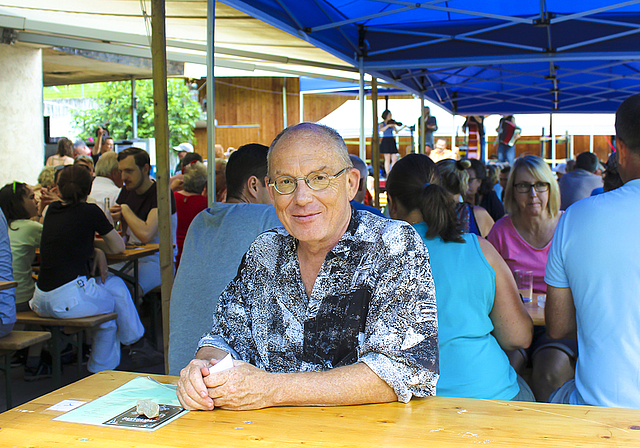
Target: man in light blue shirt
8	296
593	278
217	239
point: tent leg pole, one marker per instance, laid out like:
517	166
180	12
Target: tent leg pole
375	143
211	109
362	149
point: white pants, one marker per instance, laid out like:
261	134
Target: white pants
148	272
85	297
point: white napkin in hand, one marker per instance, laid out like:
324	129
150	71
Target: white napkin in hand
224	364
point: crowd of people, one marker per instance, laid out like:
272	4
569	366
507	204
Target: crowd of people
321	299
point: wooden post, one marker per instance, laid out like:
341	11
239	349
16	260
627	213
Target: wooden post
161	123
375	143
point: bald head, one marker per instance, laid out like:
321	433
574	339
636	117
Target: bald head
310	132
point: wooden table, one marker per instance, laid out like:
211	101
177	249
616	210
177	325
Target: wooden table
435	422
7	284
9	344
130	258
58	336
536	313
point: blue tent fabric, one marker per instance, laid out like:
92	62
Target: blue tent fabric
478	57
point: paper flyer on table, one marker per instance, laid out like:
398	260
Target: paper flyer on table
102	411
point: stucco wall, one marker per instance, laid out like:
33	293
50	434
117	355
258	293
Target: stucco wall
21	120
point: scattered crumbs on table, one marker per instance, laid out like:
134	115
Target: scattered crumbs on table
461	411
436	430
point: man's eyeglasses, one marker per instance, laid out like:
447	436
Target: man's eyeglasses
525	187
316	180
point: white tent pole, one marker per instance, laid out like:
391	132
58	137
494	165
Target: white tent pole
284	103
301	107
211	81
423	126
363	150
134	110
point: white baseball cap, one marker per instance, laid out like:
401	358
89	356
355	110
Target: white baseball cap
187	147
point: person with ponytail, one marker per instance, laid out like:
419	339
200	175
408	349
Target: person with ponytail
73	279
480	313
455	179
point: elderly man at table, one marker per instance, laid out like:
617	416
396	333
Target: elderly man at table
593	287
107	183
227	229
336	308
137	210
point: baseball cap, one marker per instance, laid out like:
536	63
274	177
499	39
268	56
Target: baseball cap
187	147
560	168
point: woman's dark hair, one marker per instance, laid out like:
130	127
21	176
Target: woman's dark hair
415	183
385	114
65	147
481	173
74	183
12	201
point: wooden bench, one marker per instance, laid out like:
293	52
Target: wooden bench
17	340
71	327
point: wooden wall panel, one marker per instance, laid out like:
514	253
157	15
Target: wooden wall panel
251	101
317	107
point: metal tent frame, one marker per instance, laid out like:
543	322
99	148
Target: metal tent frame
478	58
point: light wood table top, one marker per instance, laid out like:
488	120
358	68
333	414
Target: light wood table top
7	284
17	339
536	313
436	422
133	253
30	317
130	253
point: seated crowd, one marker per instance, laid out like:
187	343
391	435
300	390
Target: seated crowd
321	299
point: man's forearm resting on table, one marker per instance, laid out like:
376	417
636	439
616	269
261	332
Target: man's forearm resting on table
353	384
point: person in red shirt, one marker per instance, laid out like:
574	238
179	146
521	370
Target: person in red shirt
190	201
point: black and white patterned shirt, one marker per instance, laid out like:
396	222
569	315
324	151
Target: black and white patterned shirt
373	301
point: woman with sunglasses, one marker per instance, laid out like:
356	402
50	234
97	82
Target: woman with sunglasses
523	238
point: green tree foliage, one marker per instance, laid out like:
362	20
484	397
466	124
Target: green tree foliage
114	111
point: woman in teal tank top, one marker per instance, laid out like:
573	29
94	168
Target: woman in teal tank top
480	313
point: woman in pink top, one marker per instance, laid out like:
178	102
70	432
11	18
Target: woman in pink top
523	238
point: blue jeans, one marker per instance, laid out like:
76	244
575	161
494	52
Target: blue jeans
506	153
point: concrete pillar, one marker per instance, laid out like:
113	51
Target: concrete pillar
21	120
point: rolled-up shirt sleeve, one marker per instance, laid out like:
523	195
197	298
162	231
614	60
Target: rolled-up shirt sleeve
401	335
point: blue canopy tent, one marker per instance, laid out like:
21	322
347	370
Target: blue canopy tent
478	58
